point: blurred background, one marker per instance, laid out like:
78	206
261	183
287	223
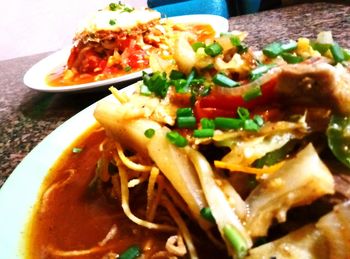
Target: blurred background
37	26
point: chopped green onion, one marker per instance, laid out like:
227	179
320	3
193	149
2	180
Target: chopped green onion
203	133
149	133
188	122
291	45
337	53
190	78
252	93
243	113
213	49
250	125
175	138
236	241
259	71
207	123
224	81
346	54
112	22
273	49
127	68
228	123
157	83
76	150
128	9
175	74
180	85
275	156
320	47
112	6
198	45
258	120
131	253
206	214
183	112
291	59
144	90
236	41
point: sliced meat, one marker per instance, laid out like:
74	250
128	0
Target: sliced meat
318	84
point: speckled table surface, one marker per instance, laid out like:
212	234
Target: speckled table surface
27	116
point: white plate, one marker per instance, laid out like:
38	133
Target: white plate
20	191
35	76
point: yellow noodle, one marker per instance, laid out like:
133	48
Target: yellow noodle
72	253
134	182
153	207
126	208
182	226
150	188
121	97
130	164
55	186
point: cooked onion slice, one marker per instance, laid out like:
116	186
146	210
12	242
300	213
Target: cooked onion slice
174	164
299	181
306	242
225	215
335	226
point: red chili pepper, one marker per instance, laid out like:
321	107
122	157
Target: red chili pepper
225	105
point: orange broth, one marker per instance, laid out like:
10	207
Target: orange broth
67	218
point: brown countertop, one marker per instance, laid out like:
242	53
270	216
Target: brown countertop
27	116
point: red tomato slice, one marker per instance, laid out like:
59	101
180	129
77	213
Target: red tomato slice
225	105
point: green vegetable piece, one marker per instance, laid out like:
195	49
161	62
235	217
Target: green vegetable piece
188	122
132	252
346	53
176	139
203	133
127	68
180	85
337	53
241	48
213	49
250	125
113	6
276	156
144	90
259	71
228	123
290	58
252	93
224	81
273	49
175	74
291	45
157	83
149	133
76	150
243	113
236	241
320	47
183	112
198	45
207	123
112	22
338	135
206	214
258	120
